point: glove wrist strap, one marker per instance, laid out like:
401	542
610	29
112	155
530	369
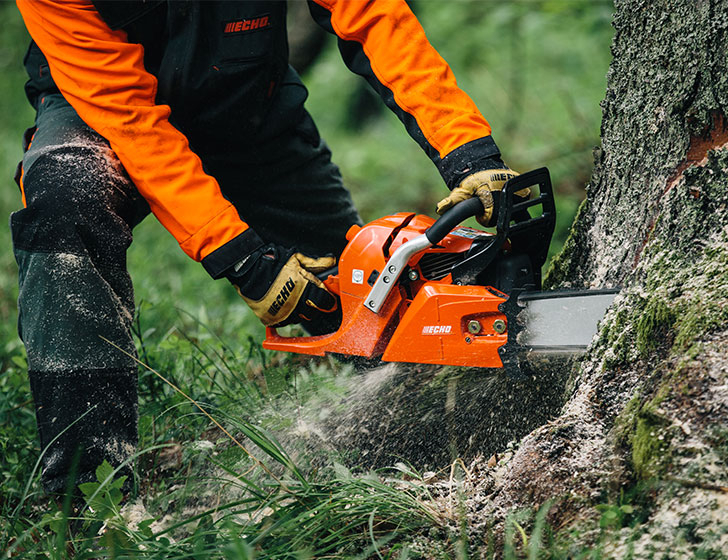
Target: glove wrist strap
476	155
221	260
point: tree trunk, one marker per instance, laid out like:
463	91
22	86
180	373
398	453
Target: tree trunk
647	424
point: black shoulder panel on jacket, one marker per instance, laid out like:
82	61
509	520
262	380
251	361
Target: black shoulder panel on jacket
118	13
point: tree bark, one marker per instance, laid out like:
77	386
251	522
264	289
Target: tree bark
648	418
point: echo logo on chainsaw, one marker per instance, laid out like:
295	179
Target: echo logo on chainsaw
437	329
282	297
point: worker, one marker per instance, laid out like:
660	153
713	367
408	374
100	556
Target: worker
190	111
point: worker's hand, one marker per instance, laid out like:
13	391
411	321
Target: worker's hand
481	184
280	287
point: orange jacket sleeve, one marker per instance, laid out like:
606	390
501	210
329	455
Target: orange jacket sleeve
103	77
383	41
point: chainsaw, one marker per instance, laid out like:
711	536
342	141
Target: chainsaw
415	289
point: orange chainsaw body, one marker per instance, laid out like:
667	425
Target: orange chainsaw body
413	289
425	319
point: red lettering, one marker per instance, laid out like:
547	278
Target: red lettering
247	24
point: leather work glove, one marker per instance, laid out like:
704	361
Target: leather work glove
482	184
280	287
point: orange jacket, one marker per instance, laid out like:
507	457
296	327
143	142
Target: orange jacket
102	74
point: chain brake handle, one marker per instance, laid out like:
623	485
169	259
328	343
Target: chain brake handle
530	235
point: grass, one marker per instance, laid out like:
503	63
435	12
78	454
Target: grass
277	507
217	483
212	500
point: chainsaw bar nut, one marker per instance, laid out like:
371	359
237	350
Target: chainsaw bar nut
499	326
474	326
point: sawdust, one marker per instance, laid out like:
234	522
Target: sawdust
73	287
426	416
116	450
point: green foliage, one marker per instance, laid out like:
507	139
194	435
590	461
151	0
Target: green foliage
105	495
341	515
516	537
614	516
18	447
631	507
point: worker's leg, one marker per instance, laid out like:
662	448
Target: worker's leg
289	191
70	243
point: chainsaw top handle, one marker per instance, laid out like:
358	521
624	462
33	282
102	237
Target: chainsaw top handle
532	234
458	213
505	207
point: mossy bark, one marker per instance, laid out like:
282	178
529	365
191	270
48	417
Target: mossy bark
664	109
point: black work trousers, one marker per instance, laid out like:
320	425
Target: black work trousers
70	242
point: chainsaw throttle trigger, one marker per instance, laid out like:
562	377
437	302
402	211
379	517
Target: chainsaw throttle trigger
333	271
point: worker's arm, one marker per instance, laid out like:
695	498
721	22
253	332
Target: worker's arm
103	77
384	42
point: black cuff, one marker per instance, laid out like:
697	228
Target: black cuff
476	155
225	257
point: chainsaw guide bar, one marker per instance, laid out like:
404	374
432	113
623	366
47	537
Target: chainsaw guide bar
563	321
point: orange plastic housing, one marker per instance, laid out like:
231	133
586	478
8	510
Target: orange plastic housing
422	321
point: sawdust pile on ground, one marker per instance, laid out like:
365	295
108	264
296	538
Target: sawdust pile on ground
576	461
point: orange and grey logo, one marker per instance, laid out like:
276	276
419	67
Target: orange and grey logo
246	25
